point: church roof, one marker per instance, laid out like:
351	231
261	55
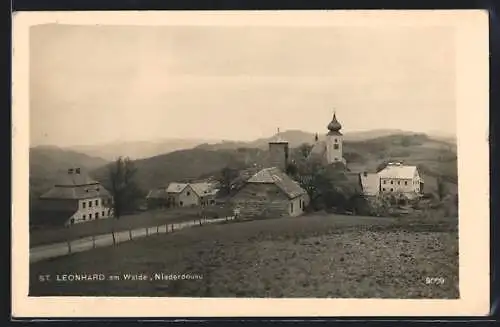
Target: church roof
334	126
275	176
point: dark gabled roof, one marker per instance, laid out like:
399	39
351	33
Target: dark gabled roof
75	180
76	192
158	193
275	176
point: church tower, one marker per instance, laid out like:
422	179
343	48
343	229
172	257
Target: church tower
278	152
333	142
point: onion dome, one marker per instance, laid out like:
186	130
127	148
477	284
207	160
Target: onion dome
334	125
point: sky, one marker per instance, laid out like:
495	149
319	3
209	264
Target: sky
100	84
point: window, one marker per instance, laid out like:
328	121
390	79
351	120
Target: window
385	182
103	202
84	204
181	203
103	213
291	207
383	189
392	182
392	189
97	215
90	204
96	202
109	212
406	182
84	217
336	146
188	193
90	216
335	140
399	183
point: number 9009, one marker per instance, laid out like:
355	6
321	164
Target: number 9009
434	280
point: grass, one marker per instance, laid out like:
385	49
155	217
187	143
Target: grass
309	256
104	226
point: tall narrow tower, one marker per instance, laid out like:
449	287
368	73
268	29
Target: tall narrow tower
333	142
278	152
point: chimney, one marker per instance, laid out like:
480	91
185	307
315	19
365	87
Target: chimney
77	171
70	171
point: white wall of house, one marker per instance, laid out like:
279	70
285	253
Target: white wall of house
297	206
91	209
188	197
401	185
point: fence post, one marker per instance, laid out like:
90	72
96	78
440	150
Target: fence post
93	241
114	240
158	229
130	234
147	231
69	246
200	222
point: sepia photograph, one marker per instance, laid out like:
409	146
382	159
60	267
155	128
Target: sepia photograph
245	160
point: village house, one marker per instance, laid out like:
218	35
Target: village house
75	198
271	192
183	195
395	178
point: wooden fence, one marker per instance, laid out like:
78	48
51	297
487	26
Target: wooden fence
44	252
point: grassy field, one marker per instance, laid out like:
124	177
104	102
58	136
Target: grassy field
309	256
104	226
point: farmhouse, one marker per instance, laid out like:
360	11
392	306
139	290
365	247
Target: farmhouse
395	178
270	193
75	198
182	195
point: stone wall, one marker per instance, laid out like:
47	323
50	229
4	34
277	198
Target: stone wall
262	201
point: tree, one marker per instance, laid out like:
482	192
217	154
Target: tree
227	176
124	190
441	188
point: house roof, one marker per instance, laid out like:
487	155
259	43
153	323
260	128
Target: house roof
369	182
176	187
59	192
275	176
398	171
75	179
203	189
158	193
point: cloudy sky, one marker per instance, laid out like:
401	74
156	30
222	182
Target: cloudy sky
98	84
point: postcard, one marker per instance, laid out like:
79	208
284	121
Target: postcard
260	163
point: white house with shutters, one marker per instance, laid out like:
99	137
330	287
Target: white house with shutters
395	178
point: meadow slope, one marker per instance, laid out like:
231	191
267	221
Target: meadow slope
309	256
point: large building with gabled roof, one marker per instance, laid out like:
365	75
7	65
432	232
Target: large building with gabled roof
270	193
75	198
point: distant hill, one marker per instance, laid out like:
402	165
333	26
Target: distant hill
433	156
297	137
47	162
364	151
137	149
187	165
147	149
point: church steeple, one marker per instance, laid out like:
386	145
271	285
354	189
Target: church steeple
334	126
